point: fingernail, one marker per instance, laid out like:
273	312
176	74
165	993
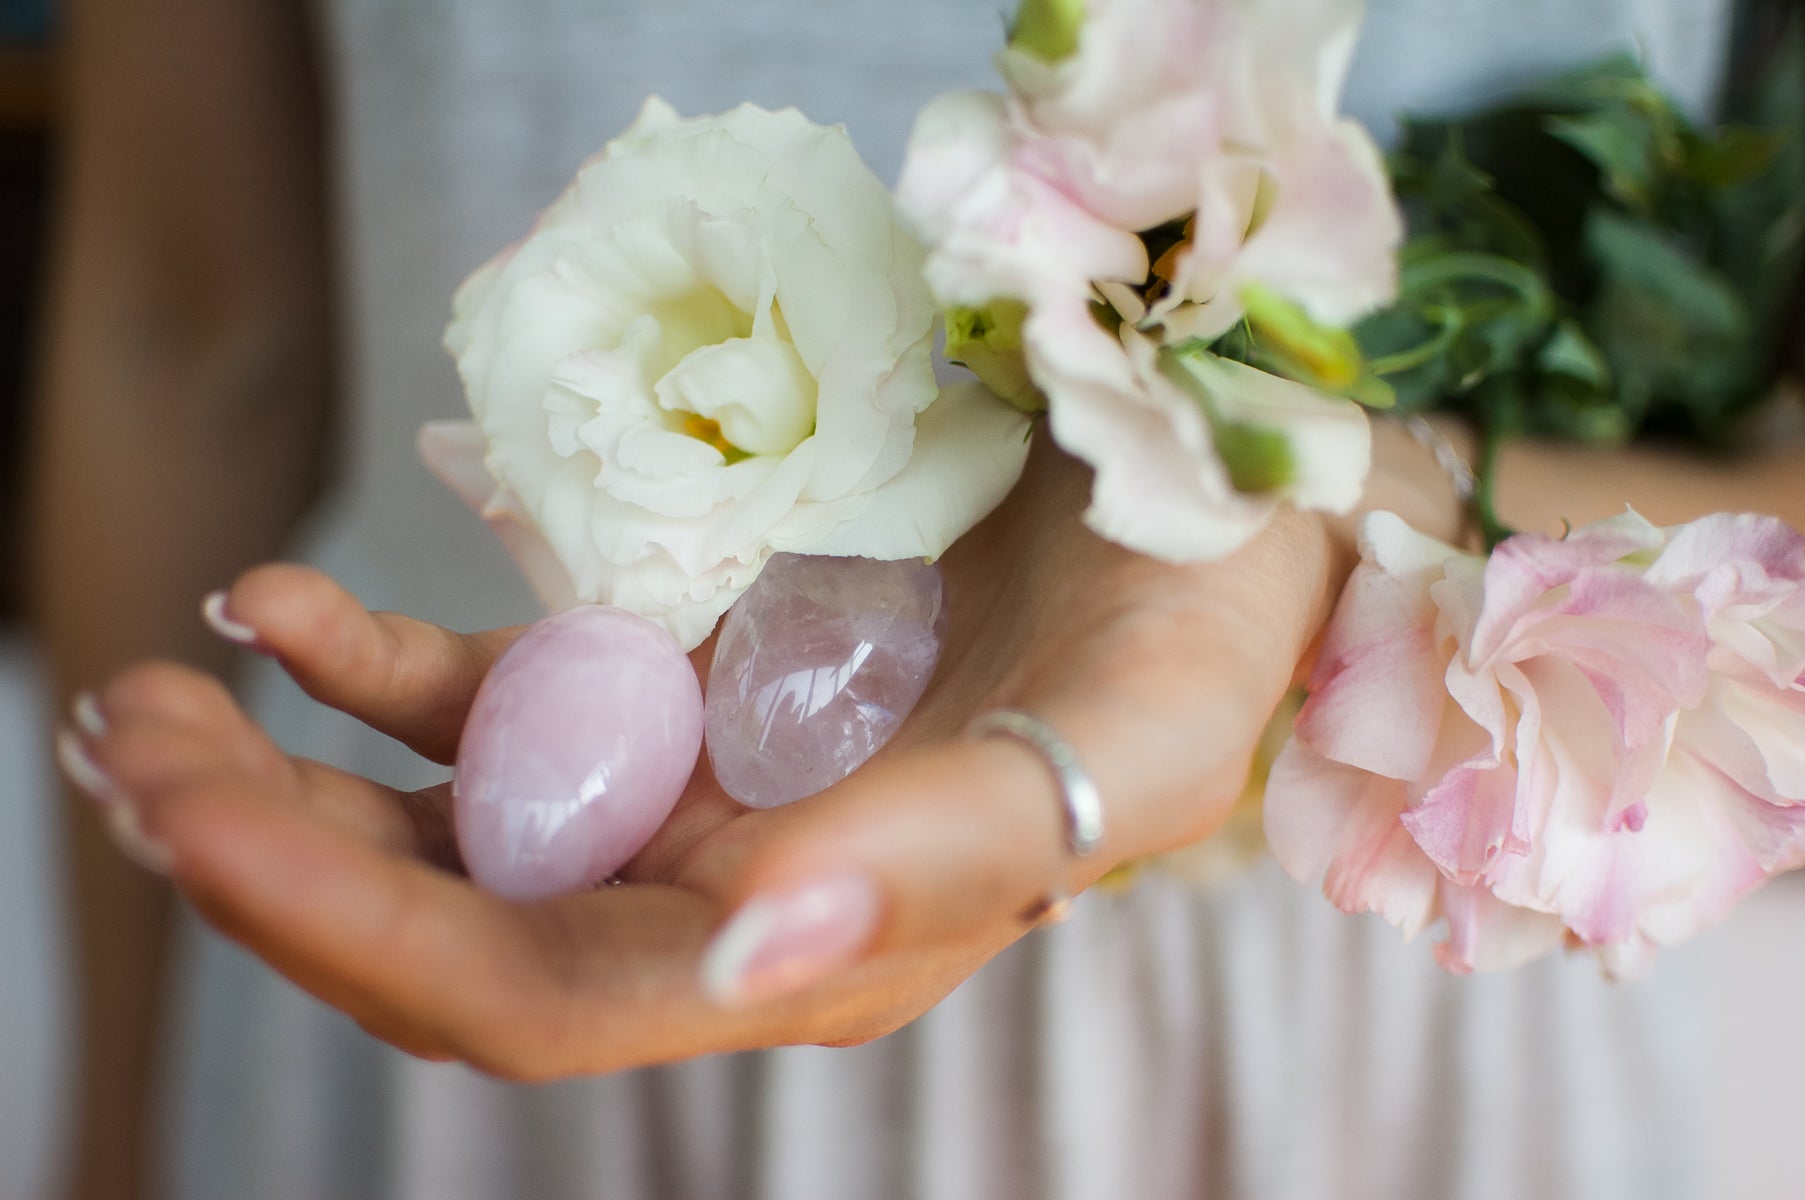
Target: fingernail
116	807
213	611
88	717
783	941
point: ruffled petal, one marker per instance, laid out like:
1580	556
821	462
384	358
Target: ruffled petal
970	447
1341	825
1375	696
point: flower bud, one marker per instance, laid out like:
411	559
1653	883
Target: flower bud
987	342
1048	29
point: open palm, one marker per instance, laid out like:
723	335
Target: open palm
1161	677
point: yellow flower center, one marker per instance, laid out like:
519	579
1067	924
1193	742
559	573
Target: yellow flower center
705	430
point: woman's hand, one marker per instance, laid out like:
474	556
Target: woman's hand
1161	677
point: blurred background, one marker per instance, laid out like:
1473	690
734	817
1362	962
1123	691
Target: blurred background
1753	968
33	988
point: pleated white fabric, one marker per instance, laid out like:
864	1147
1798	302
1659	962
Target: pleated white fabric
1250	1042
35	1034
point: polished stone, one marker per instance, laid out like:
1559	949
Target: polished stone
577	747
816	668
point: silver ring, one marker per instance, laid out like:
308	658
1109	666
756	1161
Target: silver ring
1078	795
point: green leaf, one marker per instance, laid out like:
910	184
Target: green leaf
1757	226
1626	147
1674	331
1617	76
1586	263
1571	354
1639	258
1735	156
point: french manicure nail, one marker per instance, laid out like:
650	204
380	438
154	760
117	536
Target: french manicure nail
779	942
213	611
116	807
88	717
84	772
134	842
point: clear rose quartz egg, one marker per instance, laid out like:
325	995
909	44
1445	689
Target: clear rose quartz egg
816	668
576	749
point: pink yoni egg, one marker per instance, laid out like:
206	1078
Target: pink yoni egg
576	749
817	667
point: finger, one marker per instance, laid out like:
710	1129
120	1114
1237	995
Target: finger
297	861
588	983
409	1040
409	679
416	956
415	825
161	725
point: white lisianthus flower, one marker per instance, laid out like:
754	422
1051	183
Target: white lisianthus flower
713	347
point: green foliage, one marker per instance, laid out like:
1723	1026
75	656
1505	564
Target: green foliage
1585	263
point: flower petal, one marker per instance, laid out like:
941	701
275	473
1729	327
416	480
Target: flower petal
1376	699
967	434
1333	822
453	451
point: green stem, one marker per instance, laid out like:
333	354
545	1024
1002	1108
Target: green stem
1459	266
1483	503
1448	325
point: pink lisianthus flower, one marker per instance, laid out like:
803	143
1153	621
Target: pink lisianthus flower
1220	109
1209	127
1596	740
1160	486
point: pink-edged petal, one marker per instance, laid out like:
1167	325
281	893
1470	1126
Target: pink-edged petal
453	451
1486	934
1643	650
995	228
1340	824
1763	550
1748	573
1773	833
1522	569
1128	176
1681	871
1376	695
1159	486
1330	239
1468	821
1752	732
